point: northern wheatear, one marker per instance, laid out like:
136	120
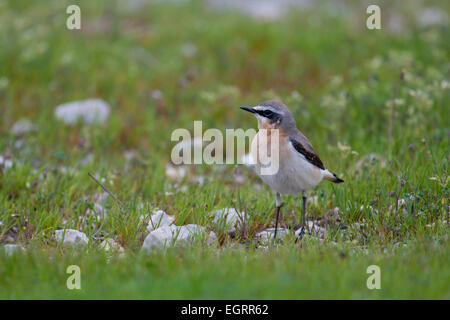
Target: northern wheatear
299	167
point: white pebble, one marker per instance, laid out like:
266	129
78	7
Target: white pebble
22	126
90	111
11	249
176	236
268	234
175	173
71	237
229	218
110	244
159	219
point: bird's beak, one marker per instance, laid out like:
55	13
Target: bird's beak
251	110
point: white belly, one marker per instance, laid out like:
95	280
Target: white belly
295	174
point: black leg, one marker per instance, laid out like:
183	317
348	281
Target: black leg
300	236
279	205
276	222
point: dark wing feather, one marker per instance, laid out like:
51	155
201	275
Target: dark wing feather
306	150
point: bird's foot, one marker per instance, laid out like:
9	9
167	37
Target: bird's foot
300	235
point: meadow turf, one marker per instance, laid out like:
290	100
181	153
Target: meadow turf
374	104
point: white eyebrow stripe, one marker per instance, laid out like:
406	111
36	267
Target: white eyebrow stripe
268	108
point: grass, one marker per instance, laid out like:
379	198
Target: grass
339	79
288	272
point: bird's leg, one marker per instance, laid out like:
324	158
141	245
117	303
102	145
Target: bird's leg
279	205
304	217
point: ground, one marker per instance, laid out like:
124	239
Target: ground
374	104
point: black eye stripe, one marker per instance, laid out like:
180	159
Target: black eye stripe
266	113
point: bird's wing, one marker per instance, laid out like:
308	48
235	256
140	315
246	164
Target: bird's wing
302	145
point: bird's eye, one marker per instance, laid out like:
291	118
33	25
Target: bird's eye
267	113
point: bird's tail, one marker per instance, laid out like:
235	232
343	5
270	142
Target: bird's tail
330	176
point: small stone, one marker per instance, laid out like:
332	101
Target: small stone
8	239
87	159
312	228
432	17
175	173
194	230
261	10
229	218
268	234
7	163
22	126
160	238
159	219
156	94
89	111
11	249
18	144
71	237
110	244
166	236
129	155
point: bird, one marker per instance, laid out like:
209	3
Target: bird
299	167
